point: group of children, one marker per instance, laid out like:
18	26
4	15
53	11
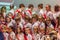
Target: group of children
24	24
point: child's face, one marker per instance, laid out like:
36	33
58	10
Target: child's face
34	20
47	8
27	30
10	15
31	8
40	20
22	8
8	19
2	19
9	30
35	29
18	30
4	29
42	31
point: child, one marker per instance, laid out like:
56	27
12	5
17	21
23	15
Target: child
42	33
21	10
12	9
35	21
10	15
27	35
48	12
9	22
36	35
5	32
19	34
18	22
11	33
29	11
41	11
49	24
41	22
27	22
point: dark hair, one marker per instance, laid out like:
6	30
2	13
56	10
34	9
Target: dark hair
30	5
21	5
40	5
56	8
11	6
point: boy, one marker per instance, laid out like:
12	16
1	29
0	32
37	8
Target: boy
29	11
20	10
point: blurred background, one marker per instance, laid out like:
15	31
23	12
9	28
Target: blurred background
26	2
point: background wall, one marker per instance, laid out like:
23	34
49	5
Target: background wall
26	2
36	2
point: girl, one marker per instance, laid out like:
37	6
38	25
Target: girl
36	35
41	22
19	34
2	21
27	22
11	33
41	33
27	35
9	22
35	21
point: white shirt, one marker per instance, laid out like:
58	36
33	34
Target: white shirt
41	24
41	12
28	13
36	36
29	37
19	10
12	11
21	25
51	26
20	36
11	23
55	15
12	35
49	14
6	36
28	25
35	24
